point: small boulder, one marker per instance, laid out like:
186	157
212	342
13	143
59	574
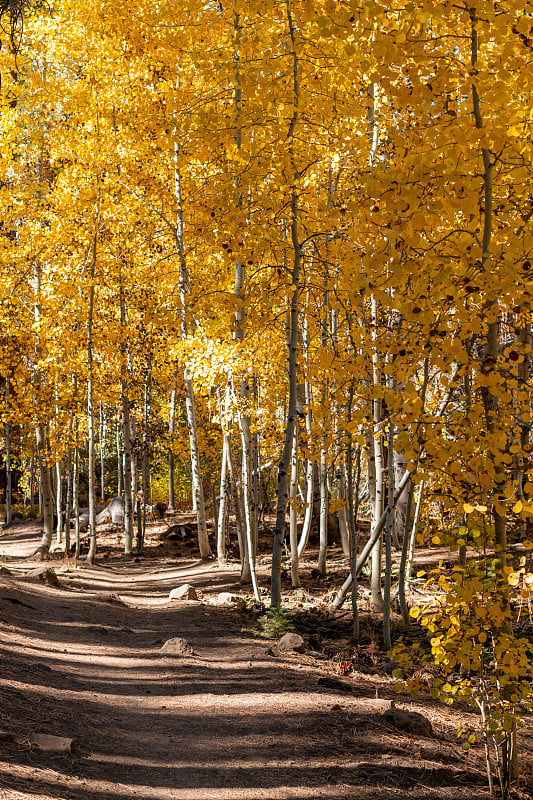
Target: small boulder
109	597
177	647
228	597
45	574
98	629
185	592
408	721
292	641
178	532
114	512
52	744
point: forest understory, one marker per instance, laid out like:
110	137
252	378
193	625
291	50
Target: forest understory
237	717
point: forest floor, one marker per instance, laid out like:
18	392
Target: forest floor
236	719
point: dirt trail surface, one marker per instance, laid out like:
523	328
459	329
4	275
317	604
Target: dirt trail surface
233	720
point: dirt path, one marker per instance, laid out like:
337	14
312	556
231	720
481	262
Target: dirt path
229	722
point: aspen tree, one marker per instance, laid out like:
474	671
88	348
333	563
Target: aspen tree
91	555
205	550
171	432
283	469
45	484
7	434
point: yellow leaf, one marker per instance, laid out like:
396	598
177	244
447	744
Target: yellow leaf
467	508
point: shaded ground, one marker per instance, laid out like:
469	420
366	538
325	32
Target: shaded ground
230	722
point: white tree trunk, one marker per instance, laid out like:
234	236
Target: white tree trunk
120	470
324	509
171	460
59	498
8	459
126	430
91	555
293	514
196	471
309	469
46	503
377	506
283	470
90	433
221	523
102	437
46	494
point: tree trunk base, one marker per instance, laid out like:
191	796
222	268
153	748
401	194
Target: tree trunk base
41	554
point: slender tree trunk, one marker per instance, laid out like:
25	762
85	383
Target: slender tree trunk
126	429
340	480
120	470
408	548
90	404
412	537
245	393
102	435
46	494
377	508
388	542
134	462
41	499
221	524
32	483
354	508
213	500
68	500
8	458
203	541
324	511
401	517
256	457
171	459
238	517
293	514
46	503
283	470
76	492
224	480
198	490
250	511
128	475
59	498
139	515
309	470
146	445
